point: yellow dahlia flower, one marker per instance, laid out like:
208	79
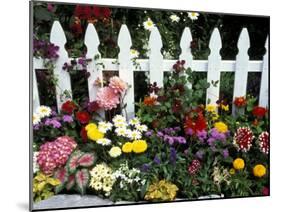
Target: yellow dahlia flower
139	146
238	164
259	170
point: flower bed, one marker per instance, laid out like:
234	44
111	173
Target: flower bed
175	147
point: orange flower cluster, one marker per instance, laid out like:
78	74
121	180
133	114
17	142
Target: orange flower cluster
149	101
240	101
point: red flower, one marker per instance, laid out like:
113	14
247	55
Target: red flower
83	117
83	134
177	106
240	101
76	28
259	111
243	138
195	122
264	142
68	107
93	106
83	12
101	12
194	167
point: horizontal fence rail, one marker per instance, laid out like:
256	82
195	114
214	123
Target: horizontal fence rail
155	64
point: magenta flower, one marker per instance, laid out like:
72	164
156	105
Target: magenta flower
67	118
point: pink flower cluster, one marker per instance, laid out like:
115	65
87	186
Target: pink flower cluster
55	154
264	142
243	139
194	167
109	97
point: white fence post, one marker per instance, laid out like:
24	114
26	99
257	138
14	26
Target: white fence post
156	58
186	54
58	38
214	63
36	100
242	64
126	72
92	43
263	100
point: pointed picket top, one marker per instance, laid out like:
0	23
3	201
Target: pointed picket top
186	54
214	63
92	41
155	57
215	43
57	35
243	41
124	37
263	100
126	72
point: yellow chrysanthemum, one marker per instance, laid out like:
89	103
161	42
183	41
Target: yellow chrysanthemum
221	127
211	108
94	134
127	147
139	146
91	126
259	170
238	164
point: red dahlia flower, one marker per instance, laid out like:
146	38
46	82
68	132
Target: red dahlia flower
259	111
195	123
243	138
68	107
264	142
83	117
240	101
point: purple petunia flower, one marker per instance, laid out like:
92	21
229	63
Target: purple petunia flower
169	139
67	118
156	160
53	122
189	131
148	133
225	153
199	154
180	140
211	141
202	135
160	134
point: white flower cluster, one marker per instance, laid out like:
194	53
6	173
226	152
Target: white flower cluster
35	164
102	179
41	112
220	175
126	177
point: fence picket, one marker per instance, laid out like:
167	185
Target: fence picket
36	100
92	43
263	100
186	54
57	37
155	57
242	64
214	63
126	69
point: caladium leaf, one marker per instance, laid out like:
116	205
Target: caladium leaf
72	163
62	175
70	182
87	160
82	178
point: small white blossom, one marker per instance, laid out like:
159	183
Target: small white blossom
134	53
148	25
134	121
43	111
142	128
35	119
134	135
104	141
121	131
104	126
175	18
193	15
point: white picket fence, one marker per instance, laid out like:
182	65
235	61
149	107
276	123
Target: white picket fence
156	65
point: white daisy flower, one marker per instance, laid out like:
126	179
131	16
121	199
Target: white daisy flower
35	119
104	126
193	15
104	141
43	111
134	121
134	135
175	18
121	131
142	127
148	25
134	53
121	125
119	119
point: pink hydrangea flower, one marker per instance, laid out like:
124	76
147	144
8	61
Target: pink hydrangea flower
55	154
117	84
107	98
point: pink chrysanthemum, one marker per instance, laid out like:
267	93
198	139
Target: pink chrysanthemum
107	98
194	167
117	84
264	142
243	139
55	154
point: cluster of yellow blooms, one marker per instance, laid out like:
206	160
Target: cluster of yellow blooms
259	170
137	146
221	127
93	133
161	191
